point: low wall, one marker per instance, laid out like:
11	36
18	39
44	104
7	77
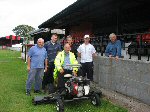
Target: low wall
14	48
128	77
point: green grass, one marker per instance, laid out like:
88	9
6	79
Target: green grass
13	77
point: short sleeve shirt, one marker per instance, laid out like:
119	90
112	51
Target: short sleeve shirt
52	50
87	52
37	56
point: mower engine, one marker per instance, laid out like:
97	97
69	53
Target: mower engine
77	86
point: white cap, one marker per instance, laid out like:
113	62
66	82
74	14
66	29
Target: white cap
86	36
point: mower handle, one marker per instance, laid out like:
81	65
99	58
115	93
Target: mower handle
74	65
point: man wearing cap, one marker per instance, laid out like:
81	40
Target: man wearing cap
86	52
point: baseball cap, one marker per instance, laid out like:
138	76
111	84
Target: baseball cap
86	36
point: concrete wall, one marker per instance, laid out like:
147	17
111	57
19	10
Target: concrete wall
131	78
14	48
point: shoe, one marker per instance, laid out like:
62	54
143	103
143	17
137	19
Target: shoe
37	91
28	93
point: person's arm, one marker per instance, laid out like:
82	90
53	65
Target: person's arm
94	55
79	51
58	62
107	51
30	53
46	62
46	65
75	70
29	63
93	52
79	55
118	54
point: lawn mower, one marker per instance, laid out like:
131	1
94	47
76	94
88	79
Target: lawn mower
76	88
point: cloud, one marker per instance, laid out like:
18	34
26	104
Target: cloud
30	12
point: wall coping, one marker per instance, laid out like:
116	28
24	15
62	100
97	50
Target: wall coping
123	59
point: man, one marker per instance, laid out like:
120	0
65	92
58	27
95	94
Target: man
70	42
62	59
86	52
113	49
37	56
52	48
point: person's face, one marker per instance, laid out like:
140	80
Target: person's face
67	48
54	38
86	40
69	41
40	43
113	38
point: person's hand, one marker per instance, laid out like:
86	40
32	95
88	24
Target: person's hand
95	55
116	58
75	73
28	68
110	56
45	69
61	71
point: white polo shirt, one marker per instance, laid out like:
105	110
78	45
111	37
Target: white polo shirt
87	52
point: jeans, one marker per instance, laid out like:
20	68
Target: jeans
36	75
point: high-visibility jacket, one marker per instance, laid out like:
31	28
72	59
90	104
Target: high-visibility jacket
59	61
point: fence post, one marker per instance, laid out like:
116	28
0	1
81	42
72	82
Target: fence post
102	50
139	53
148	52
22	49
25	53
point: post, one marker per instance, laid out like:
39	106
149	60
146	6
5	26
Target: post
25	53
148	58
22	49
102	50
148	51
140	47
130	56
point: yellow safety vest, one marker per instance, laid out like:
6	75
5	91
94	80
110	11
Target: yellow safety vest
59	60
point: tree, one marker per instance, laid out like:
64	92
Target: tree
23	31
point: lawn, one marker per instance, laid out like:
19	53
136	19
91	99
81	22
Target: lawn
13	76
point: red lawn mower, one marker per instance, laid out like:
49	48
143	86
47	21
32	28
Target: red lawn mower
76	88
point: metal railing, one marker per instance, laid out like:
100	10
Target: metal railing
138	47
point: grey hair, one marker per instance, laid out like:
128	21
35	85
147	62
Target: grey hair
41	39
111	35
69	36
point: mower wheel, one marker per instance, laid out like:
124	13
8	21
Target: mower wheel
95	99
59	105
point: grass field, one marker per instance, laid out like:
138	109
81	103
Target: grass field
13	76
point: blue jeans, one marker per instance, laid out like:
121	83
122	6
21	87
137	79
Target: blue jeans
36	75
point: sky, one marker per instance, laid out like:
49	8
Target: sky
29	12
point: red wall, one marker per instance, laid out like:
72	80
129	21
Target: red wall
79	31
